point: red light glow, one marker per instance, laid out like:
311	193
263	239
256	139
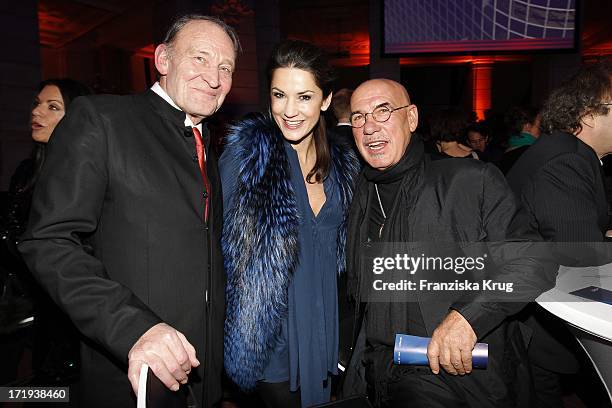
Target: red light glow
481	88
148	51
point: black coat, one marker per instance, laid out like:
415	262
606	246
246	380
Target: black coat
344	134
469	201
117	237
559	184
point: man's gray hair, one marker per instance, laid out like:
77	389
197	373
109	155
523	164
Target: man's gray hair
181	21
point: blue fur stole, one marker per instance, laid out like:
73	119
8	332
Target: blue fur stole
260	242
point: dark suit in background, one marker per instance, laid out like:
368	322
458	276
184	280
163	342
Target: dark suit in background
559	183
117	237
344	133
509	158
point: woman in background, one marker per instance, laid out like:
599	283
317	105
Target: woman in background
478	136
50	105
55	350
286	192
448	133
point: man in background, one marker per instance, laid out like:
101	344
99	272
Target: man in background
341	108
523	127
559	183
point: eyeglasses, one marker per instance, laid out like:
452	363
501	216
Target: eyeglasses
380	114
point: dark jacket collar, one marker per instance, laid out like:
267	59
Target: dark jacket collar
587	148
173	115
164	109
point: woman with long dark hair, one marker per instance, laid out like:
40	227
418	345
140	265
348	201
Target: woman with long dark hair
54	351
49	107
286	191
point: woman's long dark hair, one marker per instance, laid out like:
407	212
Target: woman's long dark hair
70	89
310	58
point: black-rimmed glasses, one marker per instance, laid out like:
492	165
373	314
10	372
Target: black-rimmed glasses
380	114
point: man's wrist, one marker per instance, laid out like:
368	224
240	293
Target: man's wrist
482	318
136	332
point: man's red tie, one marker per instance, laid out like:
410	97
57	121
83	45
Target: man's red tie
200	150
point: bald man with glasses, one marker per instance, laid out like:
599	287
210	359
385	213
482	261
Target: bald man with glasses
402	196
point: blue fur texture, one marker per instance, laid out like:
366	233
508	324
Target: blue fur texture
260	242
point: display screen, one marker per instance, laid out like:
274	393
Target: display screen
464	26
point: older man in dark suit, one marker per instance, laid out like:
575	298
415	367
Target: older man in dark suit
403	197
559	183
126	218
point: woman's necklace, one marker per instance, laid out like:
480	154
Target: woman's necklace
381	210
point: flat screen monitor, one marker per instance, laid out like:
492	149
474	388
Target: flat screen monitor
478	26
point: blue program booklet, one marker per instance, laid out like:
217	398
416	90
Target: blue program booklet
594	293
412	350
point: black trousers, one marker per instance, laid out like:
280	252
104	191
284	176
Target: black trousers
422	389
547	387
277	395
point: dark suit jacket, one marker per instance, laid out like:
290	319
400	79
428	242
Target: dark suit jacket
558	181
466	202
344	134
559	184
510	157
117	237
